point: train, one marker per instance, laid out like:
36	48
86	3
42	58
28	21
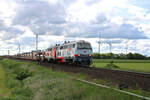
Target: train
74	52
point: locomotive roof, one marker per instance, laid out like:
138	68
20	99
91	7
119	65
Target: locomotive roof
52	47
68	43
80	41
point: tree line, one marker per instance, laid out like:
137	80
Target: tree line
120	56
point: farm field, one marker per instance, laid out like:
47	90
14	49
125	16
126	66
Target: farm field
129	65
29	81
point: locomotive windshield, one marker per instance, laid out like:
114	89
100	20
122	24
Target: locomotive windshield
83	46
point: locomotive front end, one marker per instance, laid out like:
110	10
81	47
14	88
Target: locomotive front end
83	53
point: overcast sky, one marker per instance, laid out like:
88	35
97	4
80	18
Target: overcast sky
124	23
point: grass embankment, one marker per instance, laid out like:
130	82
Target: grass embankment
4	91
130	65
28	81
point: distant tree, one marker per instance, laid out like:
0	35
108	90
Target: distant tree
130	56
119	56
122	56
139	56
96	55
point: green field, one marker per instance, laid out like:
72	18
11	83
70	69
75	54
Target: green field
130	65
28	81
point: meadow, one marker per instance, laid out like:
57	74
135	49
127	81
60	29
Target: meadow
29	81
129	65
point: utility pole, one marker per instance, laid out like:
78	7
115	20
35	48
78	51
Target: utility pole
8	52
99	43
127	46
126	50
19	48
36	42
110	47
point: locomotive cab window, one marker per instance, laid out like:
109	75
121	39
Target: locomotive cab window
73	45
83	46
61	47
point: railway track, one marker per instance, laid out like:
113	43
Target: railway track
124	79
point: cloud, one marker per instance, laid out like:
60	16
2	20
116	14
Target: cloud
127	31
91	2
124	31
112	41
101	19
11	33
46	17
2	25
40	16
8	32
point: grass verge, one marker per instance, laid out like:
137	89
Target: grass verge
4	91
28	81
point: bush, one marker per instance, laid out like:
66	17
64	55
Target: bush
22	74
111	65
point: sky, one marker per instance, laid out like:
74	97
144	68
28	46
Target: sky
123	23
